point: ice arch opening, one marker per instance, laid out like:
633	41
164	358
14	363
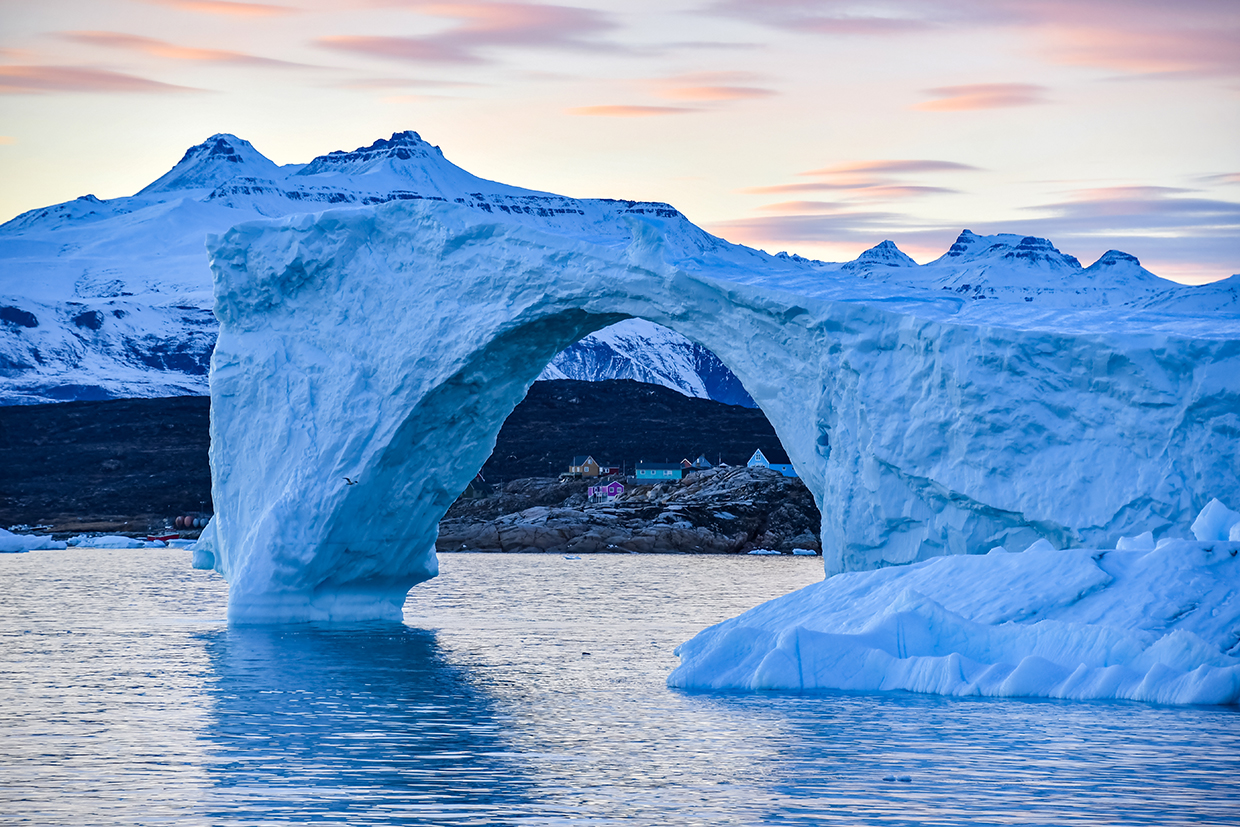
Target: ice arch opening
367	359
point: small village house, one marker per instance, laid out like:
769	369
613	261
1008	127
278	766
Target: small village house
649	472
584	466
605	492
759	458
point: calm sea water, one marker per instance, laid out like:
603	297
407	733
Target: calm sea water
526	689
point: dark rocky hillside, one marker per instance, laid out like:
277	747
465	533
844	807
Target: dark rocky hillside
116	465
623	422
723	510
103	465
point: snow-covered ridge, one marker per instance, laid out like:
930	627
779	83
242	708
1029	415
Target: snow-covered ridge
135	268
1146	622
143	256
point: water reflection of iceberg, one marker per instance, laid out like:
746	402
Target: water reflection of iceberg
369	724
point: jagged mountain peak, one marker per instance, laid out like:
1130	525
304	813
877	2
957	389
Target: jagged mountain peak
885	254
1034	250
212	162
1112	258
1117	267
1008	248
963	245
402	146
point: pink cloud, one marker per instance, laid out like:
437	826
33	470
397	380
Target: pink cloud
982	96
711	87
42	79
1189	37
480	26
898	166
629	111
800	207
404	83
413	49
225	7
809	186
869	179
834	17
171	51
707	94
1198	52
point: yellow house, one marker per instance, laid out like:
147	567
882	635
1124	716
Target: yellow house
584	466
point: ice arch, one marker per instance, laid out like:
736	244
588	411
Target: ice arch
387	347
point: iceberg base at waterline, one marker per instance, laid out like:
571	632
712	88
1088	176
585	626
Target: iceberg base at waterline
1149	623
11	543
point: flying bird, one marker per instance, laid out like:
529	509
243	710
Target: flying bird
348	481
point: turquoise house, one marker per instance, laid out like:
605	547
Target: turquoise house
658	471
759	458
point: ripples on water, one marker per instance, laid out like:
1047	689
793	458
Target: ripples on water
526	689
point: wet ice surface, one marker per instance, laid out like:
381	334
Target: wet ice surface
124	699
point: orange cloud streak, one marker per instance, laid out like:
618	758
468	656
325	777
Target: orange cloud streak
814	186
715	93
982	96
880	167
1214	51
481	26
629	111
43	79
171	51
226	8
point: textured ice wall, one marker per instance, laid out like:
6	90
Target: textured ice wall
388	346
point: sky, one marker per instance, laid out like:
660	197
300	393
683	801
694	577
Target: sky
819	127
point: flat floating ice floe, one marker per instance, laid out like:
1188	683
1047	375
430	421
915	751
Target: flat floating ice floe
12	543
113	541
1145	622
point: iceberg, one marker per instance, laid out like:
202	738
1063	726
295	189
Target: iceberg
367	358
1159	625
11	543
113	541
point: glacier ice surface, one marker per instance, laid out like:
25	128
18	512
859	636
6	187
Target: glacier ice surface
1158	625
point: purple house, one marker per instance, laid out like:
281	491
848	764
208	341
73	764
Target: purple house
606	492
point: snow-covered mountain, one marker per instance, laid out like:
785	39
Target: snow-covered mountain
646	352
112	298
1016	268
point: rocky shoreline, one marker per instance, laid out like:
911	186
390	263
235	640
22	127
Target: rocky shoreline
723	510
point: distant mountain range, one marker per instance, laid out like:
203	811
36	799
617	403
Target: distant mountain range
112	298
